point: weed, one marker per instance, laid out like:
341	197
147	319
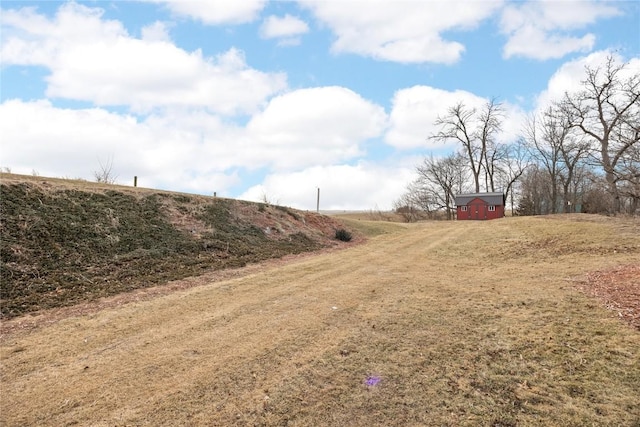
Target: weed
343	235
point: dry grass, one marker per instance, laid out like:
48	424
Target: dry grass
461	324
373	228
370	216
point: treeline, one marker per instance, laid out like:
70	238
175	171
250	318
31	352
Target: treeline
581	154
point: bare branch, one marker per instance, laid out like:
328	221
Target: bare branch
105	173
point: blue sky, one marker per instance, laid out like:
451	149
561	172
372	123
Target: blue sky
255	99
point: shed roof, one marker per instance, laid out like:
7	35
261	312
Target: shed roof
489	198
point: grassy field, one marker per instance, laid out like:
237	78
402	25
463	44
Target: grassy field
430	324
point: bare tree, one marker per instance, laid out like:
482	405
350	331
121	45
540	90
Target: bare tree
476	132
511	168
491	125
535	198
105	174
596	195
433	191
607	110
414	204
545	136
574	151
441	179
629	169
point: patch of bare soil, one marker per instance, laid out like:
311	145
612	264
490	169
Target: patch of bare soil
618	289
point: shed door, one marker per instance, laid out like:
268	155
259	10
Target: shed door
478	211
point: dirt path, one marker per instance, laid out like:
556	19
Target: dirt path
412	328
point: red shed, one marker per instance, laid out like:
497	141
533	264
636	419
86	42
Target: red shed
480	206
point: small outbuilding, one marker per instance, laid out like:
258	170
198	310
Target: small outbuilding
480	206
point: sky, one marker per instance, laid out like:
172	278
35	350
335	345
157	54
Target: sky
272	100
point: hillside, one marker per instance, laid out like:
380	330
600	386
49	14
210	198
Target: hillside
65	241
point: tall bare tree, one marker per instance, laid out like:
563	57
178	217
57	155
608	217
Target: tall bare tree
476	132
574	151
545	135
607	110
490	122
511	168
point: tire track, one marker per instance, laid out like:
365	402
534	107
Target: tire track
277	320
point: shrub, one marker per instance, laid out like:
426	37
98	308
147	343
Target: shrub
343	235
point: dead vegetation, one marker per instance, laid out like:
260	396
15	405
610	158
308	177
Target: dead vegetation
618	288
435	324
64	243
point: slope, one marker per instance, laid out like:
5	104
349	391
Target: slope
65	242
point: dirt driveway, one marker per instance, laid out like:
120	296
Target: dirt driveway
435	324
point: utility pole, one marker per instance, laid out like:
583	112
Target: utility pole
318	201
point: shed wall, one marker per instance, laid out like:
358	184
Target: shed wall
478	209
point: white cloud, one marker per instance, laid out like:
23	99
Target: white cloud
534	43
97	61
512	125
569	77
406	32
216	12
189	149
194	155
342	187
32	39
156	32
414	111
314	126
66	142
542	29
286	28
